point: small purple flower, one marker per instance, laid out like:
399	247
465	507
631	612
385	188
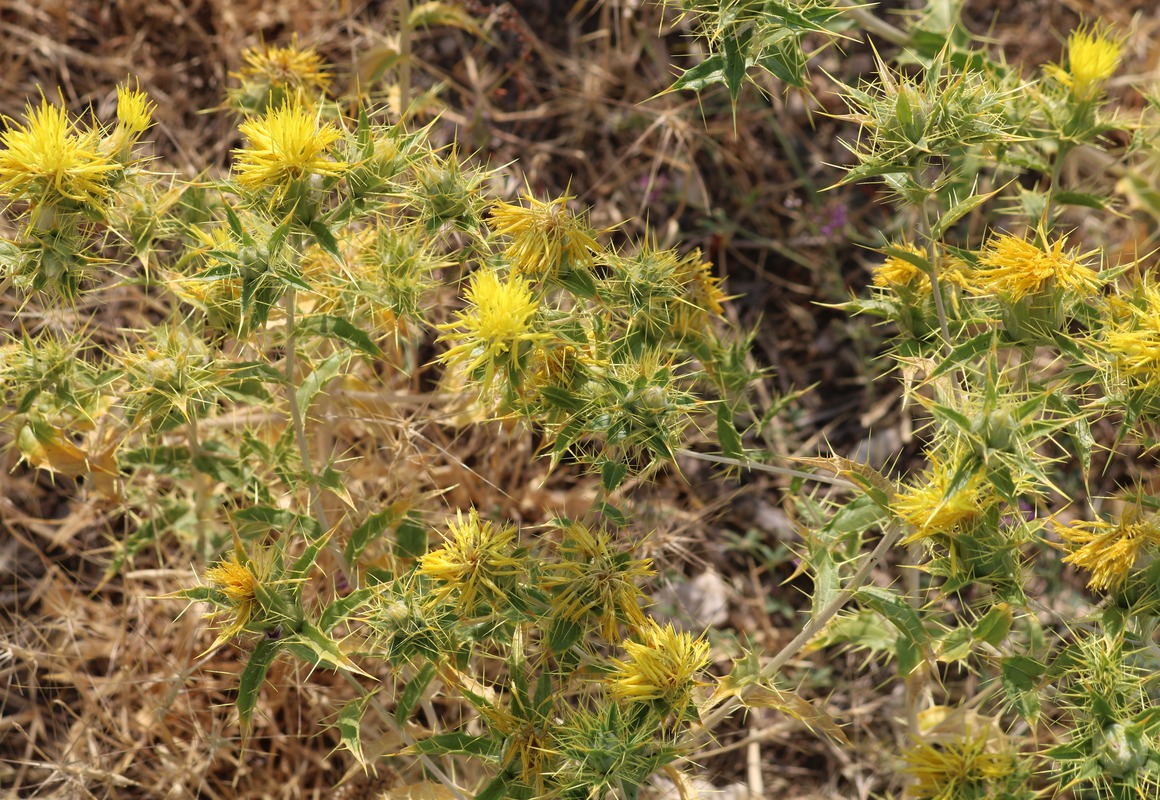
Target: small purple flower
837	220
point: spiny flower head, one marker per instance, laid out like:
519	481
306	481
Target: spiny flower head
220	299
603	750
930	506
475	565
546	238
964	767
594	577
528	742
660	669
1109	550
287	145
1092	58
237	578
272	75
701	298
896	272
1015	268
559	364
50	158
1131	340
134	110
171	378
499	317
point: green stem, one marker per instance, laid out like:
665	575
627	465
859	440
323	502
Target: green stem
299	423
811	629
872	24
1065	147
388	719
296	418
202	488
925	233
759	467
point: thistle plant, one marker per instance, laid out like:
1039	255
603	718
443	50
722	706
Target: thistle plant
61	176
349	284
341	260
1016	346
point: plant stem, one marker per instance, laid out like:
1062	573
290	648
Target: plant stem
1056	173
811	629
202	488
289	301
388	719
932	256
296	419
872	24
758	466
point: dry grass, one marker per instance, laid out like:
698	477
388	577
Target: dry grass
104	691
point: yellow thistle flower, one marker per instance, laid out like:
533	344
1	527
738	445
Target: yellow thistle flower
285	71
661	668
475	564
1015	268
545	237
49	159
701	298
286	145
1131	342
1109	550
134	110
897	272
967	766
498	318
238	581
556	364
526	742
926	506
219	299
593	577
1092	58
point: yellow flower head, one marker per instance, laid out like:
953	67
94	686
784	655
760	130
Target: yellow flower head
1014	268
557	364
134	110
1092	58
287	145
498	318
701	298
544	237
528	743
239	583
1131	340
897	272
475	563
594	577
1109	550
661	668
281	73
927	506
966	766
49	159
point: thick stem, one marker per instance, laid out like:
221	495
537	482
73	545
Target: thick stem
872	24
296	418
1056	173
202	487
936	287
